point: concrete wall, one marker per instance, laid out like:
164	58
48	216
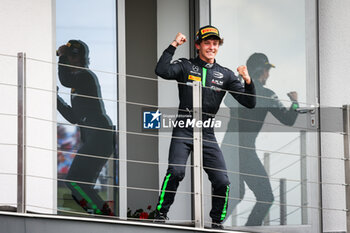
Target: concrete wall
50	224
141	57
28	26
334	48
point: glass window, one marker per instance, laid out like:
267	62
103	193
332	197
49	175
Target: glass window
263	147
87	106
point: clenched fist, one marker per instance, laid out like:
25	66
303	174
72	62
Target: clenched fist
243	71
179	39
62	50
293	96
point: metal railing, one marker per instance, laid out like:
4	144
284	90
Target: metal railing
21	159
197	166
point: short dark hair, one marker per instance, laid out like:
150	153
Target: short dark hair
221	41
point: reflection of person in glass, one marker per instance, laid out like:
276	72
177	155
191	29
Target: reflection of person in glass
205	69
87	110
259	67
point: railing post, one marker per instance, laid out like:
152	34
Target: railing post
303	178
346	125
122	116
21	133
267	169
283	202
197	157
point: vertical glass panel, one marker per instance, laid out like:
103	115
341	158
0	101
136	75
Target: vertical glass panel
263	147
86	129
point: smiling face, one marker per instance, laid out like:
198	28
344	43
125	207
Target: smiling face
207	49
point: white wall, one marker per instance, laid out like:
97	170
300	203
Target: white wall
28	26
334	47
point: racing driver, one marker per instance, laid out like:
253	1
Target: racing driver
215	80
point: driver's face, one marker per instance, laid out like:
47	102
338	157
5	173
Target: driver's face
208	49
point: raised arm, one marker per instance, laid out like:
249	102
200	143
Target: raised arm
245	95
165	68
284	115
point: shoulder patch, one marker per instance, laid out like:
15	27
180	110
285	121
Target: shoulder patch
176	61
188	61
180	60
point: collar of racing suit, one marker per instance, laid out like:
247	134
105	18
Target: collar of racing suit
202	63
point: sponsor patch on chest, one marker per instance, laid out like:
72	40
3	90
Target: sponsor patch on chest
194	78
217	82
217	74
195	70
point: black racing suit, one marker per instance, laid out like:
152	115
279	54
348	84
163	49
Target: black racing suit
218	79
86	111
250	123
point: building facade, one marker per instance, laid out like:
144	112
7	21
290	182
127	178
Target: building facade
306	40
